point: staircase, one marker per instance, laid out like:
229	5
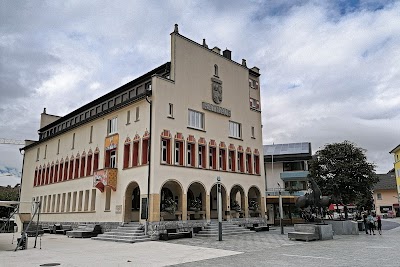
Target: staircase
211	229
128	233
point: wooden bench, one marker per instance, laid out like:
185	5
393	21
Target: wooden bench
174	234
85	230
305	232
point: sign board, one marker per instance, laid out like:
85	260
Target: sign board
143	215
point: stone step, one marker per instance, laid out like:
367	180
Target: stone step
227	231
124	237
124	233
223	227
223	233
121	239
128	230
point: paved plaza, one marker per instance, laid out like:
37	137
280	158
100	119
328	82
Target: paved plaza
253	249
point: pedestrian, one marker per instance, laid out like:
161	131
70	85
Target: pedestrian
365	223
371	221
379	223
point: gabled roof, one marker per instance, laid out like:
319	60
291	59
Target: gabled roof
395	149
386	181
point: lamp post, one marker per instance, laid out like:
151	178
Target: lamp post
280	209
219	200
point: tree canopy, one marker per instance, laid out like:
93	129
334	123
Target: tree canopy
341	171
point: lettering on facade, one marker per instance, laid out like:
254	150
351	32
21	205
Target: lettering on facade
216	109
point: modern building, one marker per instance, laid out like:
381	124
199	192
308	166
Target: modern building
159	141
396	153
286	171
385	195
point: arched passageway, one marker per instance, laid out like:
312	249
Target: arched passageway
196	202
254	202
171	204
132	203
214	204
237	202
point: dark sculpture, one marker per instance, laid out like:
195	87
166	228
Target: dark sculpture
313	204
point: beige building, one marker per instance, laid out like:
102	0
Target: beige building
385	195
166	137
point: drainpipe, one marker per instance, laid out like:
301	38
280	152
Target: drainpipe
148	94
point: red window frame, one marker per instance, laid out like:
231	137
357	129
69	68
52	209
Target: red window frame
127	148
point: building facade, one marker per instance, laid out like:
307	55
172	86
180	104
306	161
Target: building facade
159	141
385	195
286	171
396	154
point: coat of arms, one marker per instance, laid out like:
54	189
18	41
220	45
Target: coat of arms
217	91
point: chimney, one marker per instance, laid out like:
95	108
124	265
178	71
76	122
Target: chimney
204	43
217	50
176	30
44	110
227	53
255	69
244	64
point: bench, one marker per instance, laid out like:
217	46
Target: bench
174	234
62	229
305	232
261	228
33	229
85	230
46	228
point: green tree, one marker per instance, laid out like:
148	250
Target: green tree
341	171
8	193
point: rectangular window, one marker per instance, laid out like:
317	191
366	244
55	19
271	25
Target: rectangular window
91	134
73	141
86	206
294	166
93	200
165	148
58	147
190	159
112	126
145	151
127	149
68	207
128	117
379	196
108	198
135	154
74	198
45	152
71	169
256	164
202	156
83	167
178	153
38	154
63	202
222	159
196	119
232	161
212	158
240	162
171	110
66	164
249	165
76	168
137	114
89	165
80	200
235	129
252	132
58	202
113	159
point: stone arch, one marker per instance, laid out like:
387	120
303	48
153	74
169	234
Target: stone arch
237	201
254	201
196	200
171	191
132	202
213	202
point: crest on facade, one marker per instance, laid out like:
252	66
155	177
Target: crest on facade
216	88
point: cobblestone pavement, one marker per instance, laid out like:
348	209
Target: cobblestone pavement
273	249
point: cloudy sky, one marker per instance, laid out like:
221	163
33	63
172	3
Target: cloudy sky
330	69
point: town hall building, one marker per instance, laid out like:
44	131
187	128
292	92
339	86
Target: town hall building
152	149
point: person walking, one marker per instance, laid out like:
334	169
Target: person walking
379	223
365	223
370	221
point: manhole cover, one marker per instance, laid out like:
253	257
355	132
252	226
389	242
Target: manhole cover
50	264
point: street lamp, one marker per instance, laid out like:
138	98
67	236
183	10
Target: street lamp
280	209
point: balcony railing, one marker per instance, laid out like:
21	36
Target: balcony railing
275	192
